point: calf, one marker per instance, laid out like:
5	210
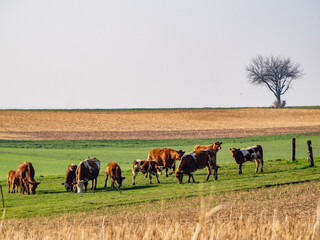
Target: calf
114	171
215	146
87	170
25	176
147	167
248	154
70	177
197	160
12	181
165	157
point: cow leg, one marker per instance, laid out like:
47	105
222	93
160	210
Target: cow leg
95	183
8	186
209	172
85	186
173	169
192	177
257	164
105	181
150	177
261	160
167	172
240	168
157	177
215	174
134	174
112	182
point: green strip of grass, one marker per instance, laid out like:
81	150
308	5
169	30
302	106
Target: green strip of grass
51	197
51	158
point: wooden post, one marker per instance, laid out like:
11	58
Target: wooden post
293	152
2	196
310	155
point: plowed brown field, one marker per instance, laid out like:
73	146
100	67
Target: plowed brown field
156	124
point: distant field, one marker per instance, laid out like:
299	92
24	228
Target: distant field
156	124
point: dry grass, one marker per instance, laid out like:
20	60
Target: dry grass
157	124
286	212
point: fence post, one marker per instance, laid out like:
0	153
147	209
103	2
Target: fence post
293	152
2	196
310	155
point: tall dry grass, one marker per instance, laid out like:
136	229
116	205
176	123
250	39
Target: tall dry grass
287	212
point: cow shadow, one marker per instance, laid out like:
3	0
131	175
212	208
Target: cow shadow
130	188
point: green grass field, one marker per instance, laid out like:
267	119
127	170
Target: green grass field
51	158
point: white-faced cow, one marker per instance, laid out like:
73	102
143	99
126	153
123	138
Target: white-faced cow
146	167
165	157
70	177
197	160
25	176
114	171
87	170
248	154
215	146
12	181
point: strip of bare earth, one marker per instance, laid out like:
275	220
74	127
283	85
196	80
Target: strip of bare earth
157	124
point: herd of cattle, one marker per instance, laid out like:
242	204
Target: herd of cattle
77	177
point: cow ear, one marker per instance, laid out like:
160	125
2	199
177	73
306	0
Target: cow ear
230	149
123	178
38	183
62	183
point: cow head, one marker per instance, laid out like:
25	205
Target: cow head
79	185
159	169
67	186
119	180
179	176
180	153
217	146
235	152
33	186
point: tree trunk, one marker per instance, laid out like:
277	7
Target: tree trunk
278	103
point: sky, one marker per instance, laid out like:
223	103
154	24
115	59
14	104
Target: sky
152	54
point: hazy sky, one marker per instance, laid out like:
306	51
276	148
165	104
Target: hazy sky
152	54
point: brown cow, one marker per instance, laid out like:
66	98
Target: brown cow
248	154
87	170
12	181
165	157
147	167
197	160
114	171
25	176
215	146
70	177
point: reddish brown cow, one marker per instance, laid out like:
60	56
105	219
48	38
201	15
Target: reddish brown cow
87	170
70	177
165	157
12	181
25	176
215	146
248	154
114	171
147	167
197	160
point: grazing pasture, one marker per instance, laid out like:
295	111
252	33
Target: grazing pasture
50	159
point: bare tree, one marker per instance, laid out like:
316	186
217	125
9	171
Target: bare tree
276	73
